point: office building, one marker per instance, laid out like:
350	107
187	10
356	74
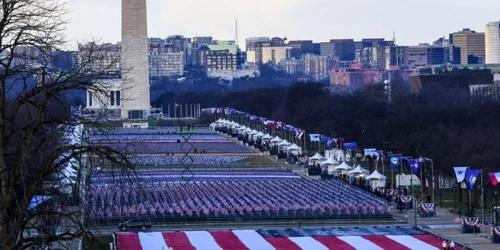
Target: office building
220	60
275	55
251	41
426	55
344	49
292	66
327	49
492	42
102	59
471	44
65	60
165	63
317	67
301	47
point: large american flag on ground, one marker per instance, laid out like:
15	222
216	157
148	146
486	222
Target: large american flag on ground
251	239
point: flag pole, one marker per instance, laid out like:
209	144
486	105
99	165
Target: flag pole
392	174
421	182
482	198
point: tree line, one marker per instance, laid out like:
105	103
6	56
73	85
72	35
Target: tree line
438	123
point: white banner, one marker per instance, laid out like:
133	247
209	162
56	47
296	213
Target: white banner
460	173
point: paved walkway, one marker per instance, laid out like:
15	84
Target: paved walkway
444	226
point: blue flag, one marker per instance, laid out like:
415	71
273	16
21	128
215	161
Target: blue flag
350	145
414	165
395	160
470	177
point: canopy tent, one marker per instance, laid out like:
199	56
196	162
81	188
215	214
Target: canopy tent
294	147
330	161
267	137
284	143
254	132
248	130
260	134
242	128
376	176
343	166
277	139
359	170
213	125
376	180
317	157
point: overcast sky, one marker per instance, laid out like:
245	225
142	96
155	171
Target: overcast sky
320	20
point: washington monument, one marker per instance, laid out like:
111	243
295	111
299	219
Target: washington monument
134	60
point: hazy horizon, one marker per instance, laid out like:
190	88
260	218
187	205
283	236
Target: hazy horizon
317	20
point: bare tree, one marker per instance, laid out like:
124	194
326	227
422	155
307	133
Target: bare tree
33	108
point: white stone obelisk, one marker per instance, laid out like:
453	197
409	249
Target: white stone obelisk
134	59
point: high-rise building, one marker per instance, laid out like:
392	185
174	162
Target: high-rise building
134	60
471	44
182	44
199	41
277	42
65	60
301	47
292	66
251	41
327	49
165	63
274	55
492	42
31	56
344	49
102	59
425	55
317	67
221	60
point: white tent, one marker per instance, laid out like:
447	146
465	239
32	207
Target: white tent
317	157
376	180
267	137
277	139
376	176
248	130
284	143
242	128
330	161
294	147
213	125
343	166
254	132
258	135
359	170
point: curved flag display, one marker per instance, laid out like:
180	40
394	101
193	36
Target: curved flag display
494	178
278	239
460	173
471	177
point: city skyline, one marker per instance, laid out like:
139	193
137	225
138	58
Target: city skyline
425	22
